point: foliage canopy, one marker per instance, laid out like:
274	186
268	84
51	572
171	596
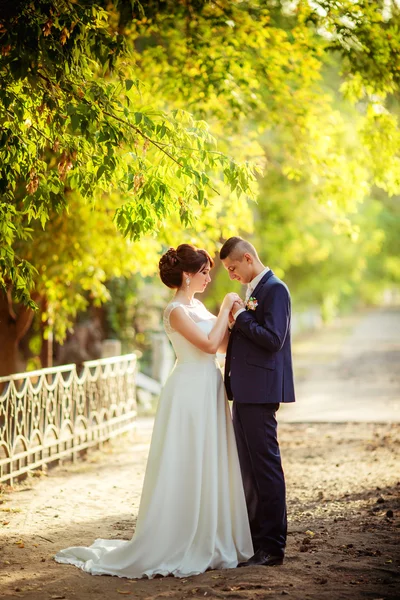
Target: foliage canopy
132	112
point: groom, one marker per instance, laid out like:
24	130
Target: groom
258	376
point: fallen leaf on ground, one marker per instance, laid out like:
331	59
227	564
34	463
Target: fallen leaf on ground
126	592
40	473
310	533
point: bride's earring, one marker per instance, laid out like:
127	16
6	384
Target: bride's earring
187	281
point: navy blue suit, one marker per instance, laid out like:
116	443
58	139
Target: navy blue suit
258	376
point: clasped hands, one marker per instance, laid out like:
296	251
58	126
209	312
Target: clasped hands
236	305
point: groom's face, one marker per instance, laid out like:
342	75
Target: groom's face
239	269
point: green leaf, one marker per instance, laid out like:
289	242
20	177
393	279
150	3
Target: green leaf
100	171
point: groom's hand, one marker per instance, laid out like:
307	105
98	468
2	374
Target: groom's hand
237	306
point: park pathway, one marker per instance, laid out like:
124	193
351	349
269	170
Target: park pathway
342	490
349	371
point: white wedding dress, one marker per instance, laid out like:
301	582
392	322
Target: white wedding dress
192	514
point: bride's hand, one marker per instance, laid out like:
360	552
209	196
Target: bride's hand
230	299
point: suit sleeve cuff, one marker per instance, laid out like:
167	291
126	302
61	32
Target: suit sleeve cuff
238	312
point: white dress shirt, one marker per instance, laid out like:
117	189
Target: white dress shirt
250	289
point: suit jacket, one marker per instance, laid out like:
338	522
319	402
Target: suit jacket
258	367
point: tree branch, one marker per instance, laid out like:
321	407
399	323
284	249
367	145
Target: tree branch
136	129
33	127
144	136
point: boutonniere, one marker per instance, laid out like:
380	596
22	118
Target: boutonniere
251	303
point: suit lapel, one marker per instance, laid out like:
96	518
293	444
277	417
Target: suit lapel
256	290
258	287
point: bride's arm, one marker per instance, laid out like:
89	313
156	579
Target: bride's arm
210	343
224	344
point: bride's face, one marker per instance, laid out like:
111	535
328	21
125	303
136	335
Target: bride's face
201	279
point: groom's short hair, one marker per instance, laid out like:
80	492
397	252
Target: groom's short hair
236	247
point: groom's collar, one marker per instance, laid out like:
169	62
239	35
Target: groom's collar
254	282
261	279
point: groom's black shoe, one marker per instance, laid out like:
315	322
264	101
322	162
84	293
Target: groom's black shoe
262	557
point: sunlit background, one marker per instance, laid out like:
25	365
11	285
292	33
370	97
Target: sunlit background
303	96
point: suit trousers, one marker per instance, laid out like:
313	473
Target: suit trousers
263	479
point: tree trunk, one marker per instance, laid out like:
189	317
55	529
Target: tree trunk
13	327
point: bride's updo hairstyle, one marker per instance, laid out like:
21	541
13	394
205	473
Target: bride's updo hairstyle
185	259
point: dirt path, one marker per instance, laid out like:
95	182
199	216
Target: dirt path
349	371
343	485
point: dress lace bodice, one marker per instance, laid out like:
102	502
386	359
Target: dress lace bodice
185	351
196	311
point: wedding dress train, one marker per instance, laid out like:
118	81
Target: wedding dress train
192	514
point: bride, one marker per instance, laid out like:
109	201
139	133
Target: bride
192	514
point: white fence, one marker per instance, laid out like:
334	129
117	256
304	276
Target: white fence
55	413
